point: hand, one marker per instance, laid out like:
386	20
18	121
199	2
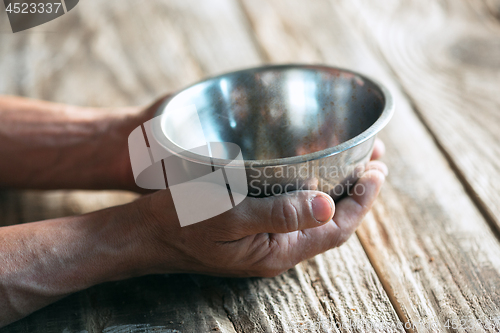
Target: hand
259	237
87	148
41	262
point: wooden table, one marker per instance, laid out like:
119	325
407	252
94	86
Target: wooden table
428	255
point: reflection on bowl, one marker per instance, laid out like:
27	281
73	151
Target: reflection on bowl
298	126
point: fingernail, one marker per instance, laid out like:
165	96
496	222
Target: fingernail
321	208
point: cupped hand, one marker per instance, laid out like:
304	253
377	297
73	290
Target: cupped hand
259	237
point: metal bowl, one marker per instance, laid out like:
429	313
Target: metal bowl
298	126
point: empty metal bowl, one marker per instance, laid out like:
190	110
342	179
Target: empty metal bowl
298	126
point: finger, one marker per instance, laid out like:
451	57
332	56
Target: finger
352	209
377	165
378	149
284	213
349	213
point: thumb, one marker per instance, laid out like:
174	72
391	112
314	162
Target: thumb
284	213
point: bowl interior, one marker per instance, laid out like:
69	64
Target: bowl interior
276	112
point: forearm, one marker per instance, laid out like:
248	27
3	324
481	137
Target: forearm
42	262
47	145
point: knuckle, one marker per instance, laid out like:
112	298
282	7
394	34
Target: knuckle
375	175
285	215
338	237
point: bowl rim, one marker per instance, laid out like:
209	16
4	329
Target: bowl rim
371	131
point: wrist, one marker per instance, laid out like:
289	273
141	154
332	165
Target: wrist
114	168
102	246
134	240
45	261
150	227
119	171
121	243
63	146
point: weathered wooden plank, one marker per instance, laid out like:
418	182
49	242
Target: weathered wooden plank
159	303
447	57
319	295
434	251
80	59
100	54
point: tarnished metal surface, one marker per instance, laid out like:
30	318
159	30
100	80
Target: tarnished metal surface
298	126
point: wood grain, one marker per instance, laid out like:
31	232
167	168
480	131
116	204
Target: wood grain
447	58
434	251
126	52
